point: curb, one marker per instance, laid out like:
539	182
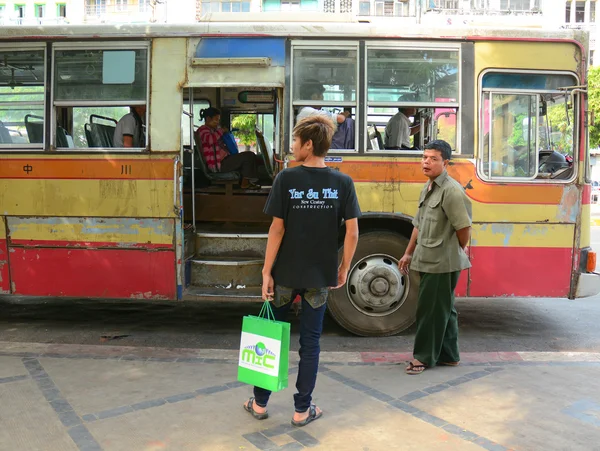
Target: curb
228	355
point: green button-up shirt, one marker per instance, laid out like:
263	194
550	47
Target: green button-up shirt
444	208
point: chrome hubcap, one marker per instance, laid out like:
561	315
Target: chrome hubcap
376	287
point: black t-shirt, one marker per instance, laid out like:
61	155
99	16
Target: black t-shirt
312	203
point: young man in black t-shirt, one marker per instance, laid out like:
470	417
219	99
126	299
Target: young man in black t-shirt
308	204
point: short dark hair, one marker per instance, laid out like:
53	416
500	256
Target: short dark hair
319	129
310	87
441	146
209	112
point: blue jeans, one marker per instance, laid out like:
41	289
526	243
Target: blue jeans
311	326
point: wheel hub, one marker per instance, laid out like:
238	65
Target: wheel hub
379	286
376	287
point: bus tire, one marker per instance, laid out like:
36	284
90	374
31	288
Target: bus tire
377	299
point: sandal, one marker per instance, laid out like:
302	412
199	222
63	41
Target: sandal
413	369
249	407
312	416
448	363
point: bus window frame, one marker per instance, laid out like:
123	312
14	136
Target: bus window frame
307	44
36	147
412	45
480	107
103	45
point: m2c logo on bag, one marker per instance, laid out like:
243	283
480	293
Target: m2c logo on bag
260	354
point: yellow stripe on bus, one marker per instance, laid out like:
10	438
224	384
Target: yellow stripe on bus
403	198
92	230
523	235
87	198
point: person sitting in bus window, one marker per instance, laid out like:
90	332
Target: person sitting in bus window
313	90
399	129
215	153
129	131
343	138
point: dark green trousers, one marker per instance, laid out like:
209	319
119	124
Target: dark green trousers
437	321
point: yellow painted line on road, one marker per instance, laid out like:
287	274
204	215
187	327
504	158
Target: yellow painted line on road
595	221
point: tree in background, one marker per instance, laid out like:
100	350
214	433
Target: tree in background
246	126
594	104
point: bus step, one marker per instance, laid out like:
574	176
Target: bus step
226	272
231	244
252	294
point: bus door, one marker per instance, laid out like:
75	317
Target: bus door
242	78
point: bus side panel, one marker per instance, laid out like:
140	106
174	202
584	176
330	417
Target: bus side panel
93	257
462	285
4	274
87	273
521	260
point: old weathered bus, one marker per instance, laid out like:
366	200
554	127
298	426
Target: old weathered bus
83	218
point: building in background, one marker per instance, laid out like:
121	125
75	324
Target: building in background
549	14
34	12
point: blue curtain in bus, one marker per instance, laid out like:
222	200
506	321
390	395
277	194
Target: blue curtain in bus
504	80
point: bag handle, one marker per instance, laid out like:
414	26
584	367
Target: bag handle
266	311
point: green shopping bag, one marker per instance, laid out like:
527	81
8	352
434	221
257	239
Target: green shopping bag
264	351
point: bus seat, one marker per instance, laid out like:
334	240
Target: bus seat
266	151
100	135
61	137
35	129
88	135
4	134
222	178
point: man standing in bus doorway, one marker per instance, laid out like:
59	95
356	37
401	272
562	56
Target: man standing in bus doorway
442	227
129	131
308	204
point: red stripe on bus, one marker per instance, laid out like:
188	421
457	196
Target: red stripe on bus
586	197
90	244
4	274
93	273
520	271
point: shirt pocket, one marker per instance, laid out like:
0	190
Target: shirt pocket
431	249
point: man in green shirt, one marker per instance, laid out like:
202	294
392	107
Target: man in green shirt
437	249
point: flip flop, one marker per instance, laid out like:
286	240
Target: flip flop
249	407
413	369
312	416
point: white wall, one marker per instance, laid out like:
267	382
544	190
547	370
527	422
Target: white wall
181	11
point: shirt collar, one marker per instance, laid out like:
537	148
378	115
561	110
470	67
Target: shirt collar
440	179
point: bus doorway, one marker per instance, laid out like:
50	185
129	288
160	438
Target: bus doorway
225	227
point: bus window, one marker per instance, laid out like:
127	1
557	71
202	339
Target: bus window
198	106
411	75
445	125
22	88
325	82
526	136
408	90
97	87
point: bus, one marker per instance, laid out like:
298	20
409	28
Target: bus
82	218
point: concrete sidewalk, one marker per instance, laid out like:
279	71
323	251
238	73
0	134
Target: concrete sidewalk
73	397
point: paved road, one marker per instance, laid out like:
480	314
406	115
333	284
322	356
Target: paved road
486	325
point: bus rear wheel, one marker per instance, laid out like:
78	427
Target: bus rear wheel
377	300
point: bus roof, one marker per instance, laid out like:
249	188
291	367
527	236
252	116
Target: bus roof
326	26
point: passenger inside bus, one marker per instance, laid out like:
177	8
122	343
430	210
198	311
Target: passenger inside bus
399	129
216	155
129	131
343	138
